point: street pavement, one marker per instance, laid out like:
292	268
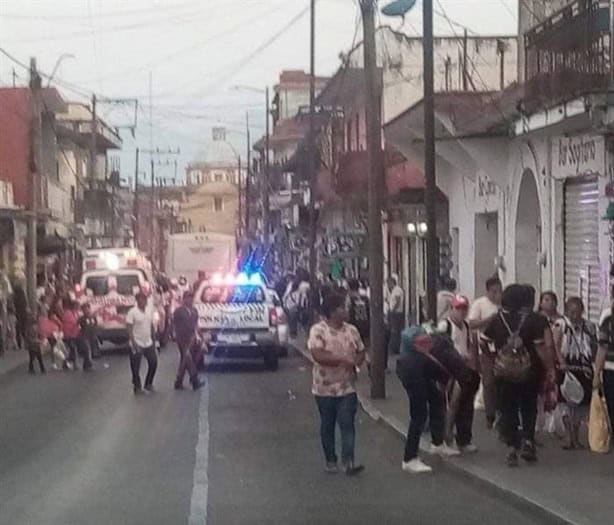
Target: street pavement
79	448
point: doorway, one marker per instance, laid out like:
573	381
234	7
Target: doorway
486	249
528	233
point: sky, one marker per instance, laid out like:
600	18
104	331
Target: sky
207	59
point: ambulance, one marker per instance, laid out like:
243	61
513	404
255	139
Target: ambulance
110	282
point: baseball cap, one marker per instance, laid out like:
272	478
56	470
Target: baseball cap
459	301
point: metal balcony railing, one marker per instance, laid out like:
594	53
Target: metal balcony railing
569	54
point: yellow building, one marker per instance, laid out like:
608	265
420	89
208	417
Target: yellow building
212	200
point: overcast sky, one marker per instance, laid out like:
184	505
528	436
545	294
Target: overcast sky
197	51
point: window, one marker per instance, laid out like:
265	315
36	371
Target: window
219	177
244	294
218	203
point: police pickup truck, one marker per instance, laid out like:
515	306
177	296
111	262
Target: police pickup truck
241	318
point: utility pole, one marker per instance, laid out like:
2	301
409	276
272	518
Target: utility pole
432	248
266	181
465	73
311	154
93	144
375	187
249	171
35	174
136	200
240	199
151	152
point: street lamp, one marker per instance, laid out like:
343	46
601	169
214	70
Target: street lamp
58	62
401	8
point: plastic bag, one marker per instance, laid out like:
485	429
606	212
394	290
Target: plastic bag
598	424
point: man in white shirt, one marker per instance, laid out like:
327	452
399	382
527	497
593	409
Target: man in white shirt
461	406
396	315
483	310
140	323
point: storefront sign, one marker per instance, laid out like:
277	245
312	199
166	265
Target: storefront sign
574	156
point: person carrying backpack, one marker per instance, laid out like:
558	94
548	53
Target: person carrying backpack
462	398
524	358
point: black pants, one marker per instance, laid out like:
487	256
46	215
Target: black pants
35	353
395	323
341	411
84	346
466	408
135	365
20	331
518	399
71	344
608	392
426	399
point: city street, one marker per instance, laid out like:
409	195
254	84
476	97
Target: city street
79	448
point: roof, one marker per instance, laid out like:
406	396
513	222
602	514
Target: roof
346	85
297	79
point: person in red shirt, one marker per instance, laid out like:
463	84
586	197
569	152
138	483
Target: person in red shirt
70	329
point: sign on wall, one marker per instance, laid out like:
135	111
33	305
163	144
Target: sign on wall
574	156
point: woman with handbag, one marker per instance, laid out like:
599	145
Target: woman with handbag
574	344
524	355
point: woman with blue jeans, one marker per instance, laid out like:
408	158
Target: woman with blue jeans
337	351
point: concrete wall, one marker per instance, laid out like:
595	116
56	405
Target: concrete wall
400	57
200	208
15	140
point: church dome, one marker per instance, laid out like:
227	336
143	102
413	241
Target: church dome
218	152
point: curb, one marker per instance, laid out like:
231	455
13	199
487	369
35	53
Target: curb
471	473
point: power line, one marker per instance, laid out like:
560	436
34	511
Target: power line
235	67
129	72
110	14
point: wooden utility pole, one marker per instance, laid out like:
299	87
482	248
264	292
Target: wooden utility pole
311	154
373	87
432	248
248	181
465	72
136	200
36	171
93	144
240	198
266	179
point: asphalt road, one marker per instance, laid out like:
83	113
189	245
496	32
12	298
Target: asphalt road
80	449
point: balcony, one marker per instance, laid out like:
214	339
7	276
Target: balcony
568	54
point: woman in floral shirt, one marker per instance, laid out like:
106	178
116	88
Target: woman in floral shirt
337	350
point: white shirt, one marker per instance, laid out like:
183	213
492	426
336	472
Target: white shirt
458	334
141	322
394	300
482	308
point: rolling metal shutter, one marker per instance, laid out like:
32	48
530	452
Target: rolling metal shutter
582	272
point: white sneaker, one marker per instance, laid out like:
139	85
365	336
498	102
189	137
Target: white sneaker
444	450
468	449
415	466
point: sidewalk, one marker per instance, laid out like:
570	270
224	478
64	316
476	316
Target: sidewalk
12	359
573	487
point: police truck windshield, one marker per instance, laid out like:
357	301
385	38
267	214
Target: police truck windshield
235	294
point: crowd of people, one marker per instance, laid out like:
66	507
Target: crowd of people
529	366
64	329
